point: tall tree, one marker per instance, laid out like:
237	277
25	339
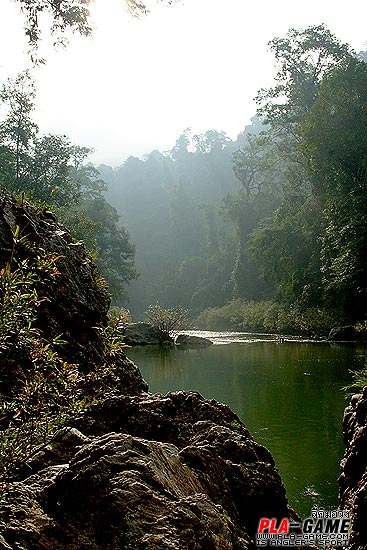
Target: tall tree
335	141
17	130
256	167
304	58
288	243
115	251
51	169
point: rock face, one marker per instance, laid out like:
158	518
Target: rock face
146	472
78	300
353	479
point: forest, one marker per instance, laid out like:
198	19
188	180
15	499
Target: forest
263	233
266	232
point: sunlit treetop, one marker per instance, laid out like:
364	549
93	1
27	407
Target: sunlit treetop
66	15
304	57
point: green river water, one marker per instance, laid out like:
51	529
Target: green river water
287	393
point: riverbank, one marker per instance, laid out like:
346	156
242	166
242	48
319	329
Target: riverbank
89	458
270	317
288	395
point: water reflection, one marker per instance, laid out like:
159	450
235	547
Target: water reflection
288	394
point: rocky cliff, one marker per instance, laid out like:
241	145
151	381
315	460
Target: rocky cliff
353	479
135	470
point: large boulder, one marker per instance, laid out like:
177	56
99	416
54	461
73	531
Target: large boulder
353	478
191	341
141	334
147	472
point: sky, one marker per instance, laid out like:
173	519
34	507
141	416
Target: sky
136	85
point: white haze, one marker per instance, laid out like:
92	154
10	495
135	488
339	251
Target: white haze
135	85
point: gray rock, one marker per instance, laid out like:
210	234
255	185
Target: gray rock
189	341
141	334
353	478
187	475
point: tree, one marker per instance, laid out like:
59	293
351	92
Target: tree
17	131
287	245
256	167
49	177
52	170
115	252
335	141
304	58
210	142
167	320
7	166
66	15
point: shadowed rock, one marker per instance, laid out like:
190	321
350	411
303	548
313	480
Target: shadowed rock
146	472
77	299
141	334
191	341
353	479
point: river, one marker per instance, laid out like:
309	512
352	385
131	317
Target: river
288	393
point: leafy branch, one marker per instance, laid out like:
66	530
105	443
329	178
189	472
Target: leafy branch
168	320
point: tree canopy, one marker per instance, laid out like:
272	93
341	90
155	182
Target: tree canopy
288	226
50	170
65	15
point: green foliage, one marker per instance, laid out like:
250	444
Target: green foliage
121	314
50	170
359	377
168	320
43	393
65	15
287	248
267	316
359	382
16	293
304	57
227	317
334	139
115	256
81	227
49	174
170	203
17	130
40	391
310	248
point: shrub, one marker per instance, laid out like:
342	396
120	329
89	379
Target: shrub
267	316
168	320
40	391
